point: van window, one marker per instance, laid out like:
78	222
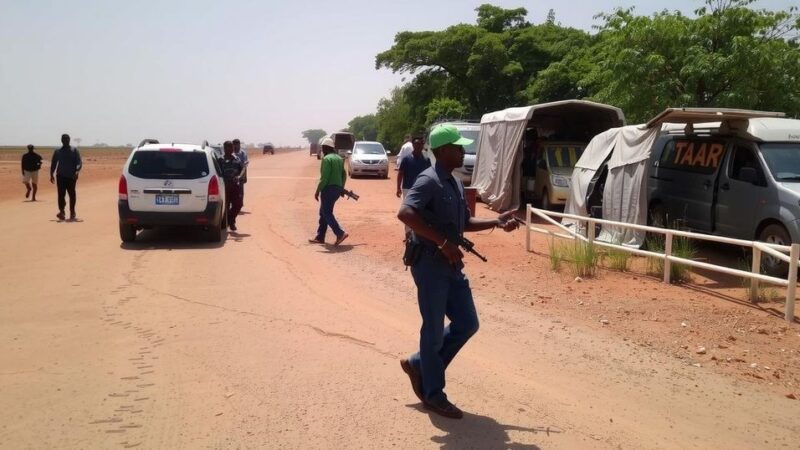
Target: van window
744	157
697	156
168	165
783	160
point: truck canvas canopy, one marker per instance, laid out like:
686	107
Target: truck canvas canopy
497	171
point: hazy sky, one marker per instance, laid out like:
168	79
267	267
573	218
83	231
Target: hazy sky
119	71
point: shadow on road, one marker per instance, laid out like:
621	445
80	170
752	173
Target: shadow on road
172	239
474	431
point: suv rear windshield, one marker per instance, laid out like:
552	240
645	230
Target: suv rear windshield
169	165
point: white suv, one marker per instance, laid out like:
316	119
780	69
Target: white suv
171	185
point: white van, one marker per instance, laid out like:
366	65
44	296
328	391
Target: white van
470	130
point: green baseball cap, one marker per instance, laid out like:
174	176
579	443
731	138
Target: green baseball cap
447	134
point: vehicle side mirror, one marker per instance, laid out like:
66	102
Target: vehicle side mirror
542	164
748	175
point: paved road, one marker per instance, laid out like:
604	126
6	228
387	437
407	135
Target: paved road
265	341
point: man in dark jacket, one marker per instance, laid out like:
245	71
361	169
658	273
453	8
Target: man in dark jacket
66	165
31	163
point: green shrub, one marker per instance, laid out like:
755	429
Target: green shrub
556	255
618	259
682	247
584	258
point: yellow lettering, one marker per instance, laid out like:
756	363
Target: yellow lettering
688	155
714	154
700	156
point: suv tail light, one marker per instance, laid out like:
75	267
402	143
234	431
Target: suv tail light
213	189
123	188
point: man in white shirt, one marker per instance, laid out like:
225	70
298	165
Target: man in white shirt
406	149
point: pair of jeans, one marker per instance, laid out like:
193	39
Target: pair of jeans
442	291
327	199
233	199
66	185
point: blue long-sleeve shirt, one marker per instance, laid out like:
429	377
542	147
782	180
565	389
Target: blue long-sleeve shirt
66	162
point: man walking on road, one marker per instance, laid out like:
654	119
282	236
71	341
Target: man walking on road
410	167
232	169
31	163
242	156
66	164
330	187
437	213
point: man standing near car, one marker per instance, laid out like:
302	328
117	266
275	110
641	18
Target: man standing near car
241	154
66	164
437	213
31	163
410	166
405	149
232	169
330	188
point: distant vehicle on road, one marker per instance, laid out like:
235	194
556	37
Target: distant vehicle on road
469	130
268	148
367	158
165	185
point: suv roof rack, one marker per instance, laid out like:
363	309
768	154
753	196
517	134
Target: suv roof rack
148	141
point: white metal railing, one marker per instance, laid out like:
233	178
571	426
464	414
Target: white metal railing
774	250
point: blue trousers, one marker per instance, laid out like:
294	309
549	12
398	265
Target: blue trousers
327	199
442	291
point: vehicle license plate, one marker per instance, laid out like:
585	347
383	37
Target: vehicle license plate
166	199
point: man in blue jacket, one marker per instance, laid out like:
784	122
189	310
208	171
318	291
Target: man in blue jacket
66	164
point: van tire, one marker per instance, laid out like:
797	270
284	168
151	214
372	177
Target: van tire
546	201
774	234
657	216
127	232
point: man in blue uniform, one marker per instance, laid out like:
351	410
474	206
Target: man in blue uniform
437	213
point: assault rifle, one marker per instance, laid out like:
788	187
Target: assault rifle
467	245
350	194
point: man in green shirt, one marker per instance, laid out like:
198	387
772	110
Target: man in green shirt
330	187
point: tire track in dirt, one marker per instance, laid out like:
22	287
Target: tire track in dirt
130	400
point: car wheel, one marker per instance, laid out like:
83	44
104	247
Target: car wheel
127	233
774	234
215	233
546	201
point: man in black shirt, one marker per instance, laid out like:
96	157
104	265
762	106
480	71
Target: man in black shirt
31	163
232	169
66	165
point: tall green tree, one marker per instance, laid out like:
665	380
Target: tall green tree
365	128
727	56
314	135
393	119
486	66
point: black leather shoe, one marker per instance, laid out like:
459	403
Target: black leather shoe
414	376
444	408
